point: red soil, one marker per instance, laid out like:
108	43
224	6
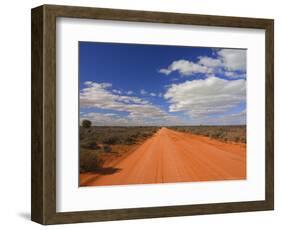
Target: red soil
171	156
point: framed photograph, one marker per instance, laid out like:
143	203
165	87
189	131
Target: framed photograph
148	114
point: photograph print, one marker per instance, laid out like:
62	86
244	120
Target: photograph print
151	114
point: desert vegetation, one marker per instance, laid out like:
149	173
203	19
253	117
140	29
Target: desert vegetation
102	144
86	123
235	133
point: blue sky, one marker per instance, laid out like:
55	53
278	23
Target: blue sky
133	84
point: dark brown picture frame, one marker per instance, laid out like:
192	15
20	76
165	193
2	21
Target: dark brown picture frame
43	202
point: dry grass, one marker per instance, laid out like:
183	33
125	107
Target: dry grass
101	144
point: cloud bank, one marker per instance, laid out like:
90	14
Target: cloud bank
202	98
218	98
139	111
230	61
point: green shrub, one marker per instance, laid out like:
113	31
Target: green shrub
107	148
145	135
130	141
93	145
243	139
86	123
217	135
90	161
237	139
111	140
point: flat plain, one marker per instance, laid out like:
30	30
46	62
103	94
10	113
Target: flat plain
150	154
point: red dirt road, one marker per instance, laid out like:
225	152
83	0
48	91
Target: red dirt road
171	156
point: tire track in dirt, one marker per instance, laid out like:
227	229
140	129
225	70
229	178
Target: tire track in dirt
171	156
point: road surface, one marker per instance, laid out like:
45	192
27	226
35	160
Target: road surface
170	156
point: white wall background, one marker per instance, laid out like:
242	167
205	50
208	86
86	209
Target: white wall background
15	113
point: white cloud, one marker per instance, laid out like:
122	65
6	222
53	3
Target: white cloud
209	62
229	119
233	59
165	71
88	82
229	74
201	98
117	91
185	67
233	75
101	85
99	95
110	114
101	119
129	92
228	61
238	118
153	94
104	119
143	92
